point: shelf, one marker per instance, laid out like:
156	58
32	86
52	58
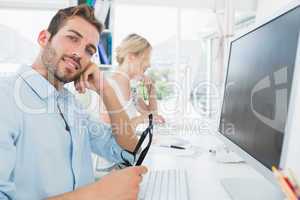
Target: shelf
106	67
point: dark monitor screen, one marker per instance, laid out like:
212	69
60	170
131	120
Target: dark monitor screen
258	86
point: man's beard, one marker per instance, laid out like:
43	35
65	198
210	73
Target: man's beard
51	61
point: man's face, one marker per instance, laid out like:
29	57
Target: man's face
69	51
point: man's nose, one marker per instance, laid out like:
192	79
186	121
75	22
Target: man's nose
79	52
76	56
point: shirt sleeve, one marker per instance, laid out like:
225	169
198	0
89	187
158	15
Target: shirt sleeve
103	143
8	137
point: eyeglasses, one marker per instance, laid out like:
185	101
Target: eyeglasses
147	132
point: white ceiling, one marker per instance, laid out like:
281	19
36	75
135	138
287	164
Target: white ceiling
37	4
240	5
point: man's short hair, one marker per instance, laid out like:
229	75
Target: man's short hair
63	15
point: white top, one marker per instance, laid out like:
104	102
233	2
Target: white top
128	105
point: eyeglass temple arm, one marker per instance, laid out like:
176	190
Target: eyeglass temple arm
144	152
150	120
143	136
141	140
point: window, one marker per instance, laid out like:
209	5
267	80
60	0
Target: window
19	29
159	25
188	53
196	25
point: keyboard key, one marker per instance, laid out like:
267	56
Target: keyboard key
165	185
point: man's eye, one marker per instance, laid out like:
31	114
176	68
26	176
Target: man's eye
90	52
73	38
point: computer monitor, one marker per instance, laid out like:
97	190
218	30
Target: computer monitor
258	86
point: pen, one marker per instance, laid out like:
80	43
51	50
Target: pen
143	90
294	182
173	146
284	185
289	184
292	178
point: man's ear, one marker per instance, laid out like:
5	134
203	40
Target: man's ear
43	38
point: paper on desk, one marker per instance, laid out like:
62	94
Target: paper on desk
189	151
170	140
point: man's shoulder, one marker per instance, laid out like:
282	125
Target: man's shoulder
7	82
9	79
10	87
7	96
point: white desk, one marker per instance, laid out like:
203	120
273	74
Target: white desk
204	172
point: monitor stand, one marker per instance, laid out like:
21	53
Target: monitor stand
250	189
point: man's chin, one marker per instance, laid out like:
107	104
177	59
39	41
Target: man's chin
66	76
65	79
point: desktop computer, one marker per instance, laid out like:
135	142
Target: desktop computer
259	83
263	64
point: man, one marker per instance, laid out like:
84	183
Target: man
46	138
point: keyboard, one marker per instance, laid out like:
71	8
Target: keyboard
165	185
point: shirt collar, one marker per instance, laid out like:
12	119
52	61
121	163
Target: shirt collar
41	86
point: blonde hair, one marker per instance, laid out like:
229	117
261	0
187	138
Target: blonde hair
134	44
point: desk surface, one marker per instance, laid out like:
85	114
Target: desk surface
204	171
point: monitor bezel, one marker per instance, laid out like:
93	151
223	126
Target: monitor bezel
258	166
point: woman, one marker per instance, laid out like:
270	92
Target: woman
133	57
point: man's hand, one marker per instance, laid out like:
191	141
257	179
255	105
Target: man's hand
144	119
158	119
92	78
118	185
122	184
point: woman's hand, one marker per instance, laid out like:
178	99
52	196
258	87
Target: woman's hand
149	83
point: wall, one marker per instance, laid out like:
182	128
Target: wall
37	4
268	7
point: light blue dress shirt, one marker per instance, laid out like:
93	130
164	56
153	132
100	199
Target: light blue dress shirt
39	158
